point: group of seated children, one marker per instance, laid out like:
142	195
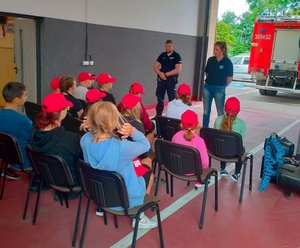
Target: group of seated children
118	137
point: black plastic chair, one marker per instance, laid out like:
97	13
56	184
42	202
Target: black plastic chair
10	153
178	161
54	171
32	109
227	146
107	189
166	127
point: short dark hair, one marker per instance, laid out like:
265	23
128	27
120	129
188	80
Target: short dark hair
169	42
66	83
12	90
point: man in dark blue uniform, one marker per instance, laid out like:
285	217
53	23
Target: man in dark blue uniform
167	67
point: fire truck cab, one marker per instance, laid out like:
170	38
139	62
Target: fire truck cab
275	55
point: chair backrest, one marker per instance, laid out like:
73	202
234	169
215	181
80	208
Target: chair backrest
106	188
72	124
53	169
32	109
221	143
10	151
166	127
178	159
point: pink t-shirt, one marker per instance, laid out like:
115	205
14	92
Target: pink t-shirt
197	142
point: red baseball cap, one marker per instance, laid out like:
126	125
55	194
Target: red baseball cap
129	101
85	76
104	78
184	89
136	88
55	102
189	119
232	106
94	95
54	84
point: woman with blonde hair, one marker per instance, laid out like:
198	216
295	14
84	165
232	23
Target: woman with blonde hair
189	137
104	150
231	122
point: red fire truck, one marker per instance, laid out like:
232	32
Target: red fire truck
275	55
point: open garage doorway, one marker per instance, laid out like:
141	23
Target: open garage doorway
18	54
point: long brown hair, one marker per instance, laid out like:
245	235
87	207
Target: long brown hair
227	122
44	119
223	46
66	83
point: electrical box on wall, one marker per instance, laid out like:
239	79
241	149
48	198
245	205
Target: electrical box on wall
87	63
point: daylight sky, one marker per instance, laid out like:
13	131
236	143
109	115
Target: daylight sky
237	6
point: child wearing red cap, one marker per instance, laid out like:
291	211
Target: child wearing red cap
189	137
67	86
231	122
49	137
181	103
54	84
137	89
85	80
92	96
104	150
105	82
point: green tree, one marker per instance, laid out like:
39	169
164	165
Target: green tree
224	33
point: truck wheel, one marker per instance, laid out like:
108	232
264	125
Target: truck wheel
271	92
262	92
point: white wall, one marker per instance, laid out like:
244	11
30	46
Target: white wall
214	5
170	16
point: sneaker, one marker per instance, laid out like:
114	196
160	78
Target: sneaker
145	222
199	185
11	174
223	173
99	212
235	177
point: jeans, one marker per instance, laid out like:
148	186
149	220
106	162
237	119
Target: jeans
211	92
163	86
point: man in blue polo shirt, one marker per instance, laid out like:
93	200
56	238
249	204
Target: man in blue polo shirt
167	67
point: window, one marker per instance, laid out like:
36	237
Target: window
236	60
246	61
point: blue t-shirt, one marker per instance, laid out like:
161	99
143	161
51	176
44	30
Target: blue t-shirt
18	125
218	71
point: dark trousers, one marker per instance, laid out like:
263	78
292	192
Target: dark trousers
164	86
238	167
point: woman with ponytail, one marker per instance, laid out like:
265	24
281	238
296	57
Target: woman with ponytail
231	122
189	137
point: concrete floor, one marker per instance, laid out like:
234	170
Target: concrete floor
265	219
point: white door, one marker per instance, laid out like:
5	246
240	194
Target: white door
25	55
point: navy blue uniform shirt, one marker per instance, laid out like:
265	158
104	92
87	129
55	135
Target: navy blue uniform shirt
168	62
218	71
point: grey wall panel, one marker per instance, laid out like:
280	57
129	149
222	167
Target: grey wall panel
127	54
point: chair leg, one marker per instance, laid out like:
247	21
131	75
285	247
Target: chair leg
105	217
66	199
85	223
243	181
27	196
37	203
157	182
3	183
209	161
60	197
137	221
161	239
167	182
77	220
251	172
116	221
188	183
172	188
216	192
203	205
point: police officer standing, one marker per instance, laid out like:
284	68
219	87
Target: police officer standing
167	67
